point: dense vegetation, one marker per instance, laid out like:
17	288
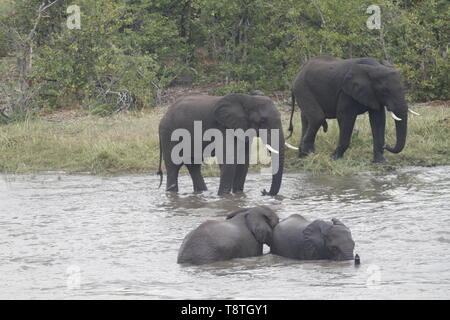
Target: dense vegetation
128	51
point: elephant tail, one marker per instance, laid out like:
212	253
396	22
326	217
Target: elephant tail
291	127
325	126
160	173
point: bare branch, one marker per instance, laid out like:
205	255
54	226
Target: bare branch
314	2
49	5
20	99
383	43
41	9
16	36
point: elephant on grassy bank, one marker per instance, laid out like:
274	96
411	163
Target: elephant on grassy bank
330	88
200	114
298	238
241	235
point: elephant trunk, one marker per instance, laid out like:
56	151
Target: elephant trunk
278	174
346	256
401	130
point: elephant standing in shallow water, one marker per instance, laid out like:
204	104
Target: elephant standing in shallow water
298	238
242	235
330	88
233	111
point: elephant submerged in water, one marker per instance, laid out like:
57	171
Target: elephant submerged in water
241	235
330	88
298	238
218	115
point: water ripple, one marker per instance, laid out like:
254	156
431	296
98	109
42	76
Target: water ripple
82	236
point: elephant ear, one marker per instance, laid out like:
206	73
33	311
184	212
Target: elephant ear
229	111
358	84
261	221
235	213
337	222
314	235
271	216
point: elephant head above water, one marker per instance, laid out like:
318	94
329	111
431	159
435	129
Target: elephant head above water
242	234
298	238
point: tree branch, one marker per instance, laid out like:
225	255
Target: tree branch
314	2
41	9
383	43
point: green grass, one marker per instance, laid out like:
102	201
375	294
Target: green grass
427	144
128	143
125	143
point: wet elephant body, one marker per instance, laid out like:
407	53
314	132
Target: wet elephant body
298	238
241	235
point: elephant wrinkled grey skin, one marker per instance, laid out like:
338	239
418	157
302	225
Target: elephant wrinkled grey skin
241	235
330	88
298	238
233	111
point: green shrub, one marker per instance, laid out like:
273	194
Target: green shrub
103	73
234	87
128	51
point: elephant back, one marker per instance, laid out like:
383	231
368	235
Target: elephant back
288	237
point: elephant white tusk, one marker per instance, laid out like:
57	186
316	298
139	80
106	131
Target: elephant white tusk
290	146
271	149
413	112
395	117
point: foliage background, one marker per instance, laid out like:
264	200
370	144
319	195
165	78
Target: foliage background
128	51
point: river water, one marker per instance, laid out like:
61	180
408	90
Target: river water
82	236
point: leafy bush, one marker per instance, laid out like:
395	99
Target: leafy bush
234	87
128	51
418	40
91	63
5	45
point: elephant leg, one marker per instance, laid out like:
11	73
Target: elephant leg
307	146
227	174
312	118
346	124
172	177
304	129
171	168
378	123
197	178
241	171
239	178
